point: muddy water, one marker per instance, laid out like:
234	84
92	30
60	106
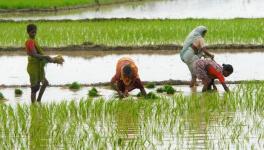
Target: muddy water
224	9
58	94
94	67
89	68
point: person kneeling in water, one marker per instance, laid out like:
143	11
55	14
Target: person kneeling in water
126	78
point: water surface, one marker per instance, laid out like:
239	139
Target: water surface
173	9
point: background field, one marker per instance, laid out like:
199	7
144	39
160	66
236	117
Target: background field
22	4
126	32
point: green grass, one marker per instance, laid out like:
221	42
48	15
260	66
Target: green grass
122	32
22	4
231	120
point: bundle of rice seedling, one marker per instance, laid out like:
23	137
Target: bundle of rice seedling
1	96
150	85
75	86
18	92
93	92
58	59
169	89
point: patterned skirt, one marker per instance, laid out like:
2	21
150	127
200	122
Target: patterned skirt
200	69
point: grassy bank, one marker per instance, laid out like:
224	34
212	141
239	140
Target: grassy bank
205	121
124	32
39	4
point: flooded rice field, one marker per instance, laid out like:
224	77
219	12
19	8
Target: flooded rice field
94	67
204	121
60	94
97	67
173	9
186	120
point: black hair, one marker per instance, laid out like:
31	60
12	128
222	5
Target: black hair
228	68
127	70
31	27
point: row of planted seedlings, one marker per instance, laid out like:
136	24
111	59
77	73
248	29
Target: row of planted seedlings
231	120
132	32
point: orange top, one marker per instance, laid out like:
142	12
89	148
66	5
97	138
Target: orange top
119	74
213	72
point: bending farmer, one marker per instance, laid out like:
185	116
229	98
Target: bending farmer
209	70
193	49
126	78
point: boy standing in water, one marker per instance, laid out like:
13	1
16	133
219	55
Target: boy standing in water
36	63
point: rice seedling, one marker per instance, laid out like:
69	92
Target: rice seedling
1	96
160	90
131	32
150	85
169	89
210	121
151	95
18	92
75	86
93	92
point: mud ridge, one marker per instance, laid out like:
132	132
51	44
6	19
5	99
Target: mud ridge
63	8
88	46
165	82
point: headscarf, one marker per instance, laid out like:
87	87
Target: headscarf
196	33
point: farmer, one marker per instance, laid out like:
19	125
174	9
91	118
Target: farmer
209	70
36	63
193	49
126	78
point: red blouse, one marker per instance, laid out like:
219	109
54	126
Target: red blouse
213	72
30	46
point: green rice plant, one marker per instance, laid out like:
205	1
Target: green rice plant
93	92
169	89
160	90
226	120
18	92
132	32
75	86
1	96
29	4
151	95
150	85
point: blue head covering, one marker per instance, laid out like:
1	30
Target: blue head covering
196	33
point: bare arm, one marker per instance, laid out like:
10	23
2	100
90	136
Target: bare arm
143	91
214	86
225	87
207	53
114	86
39	56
